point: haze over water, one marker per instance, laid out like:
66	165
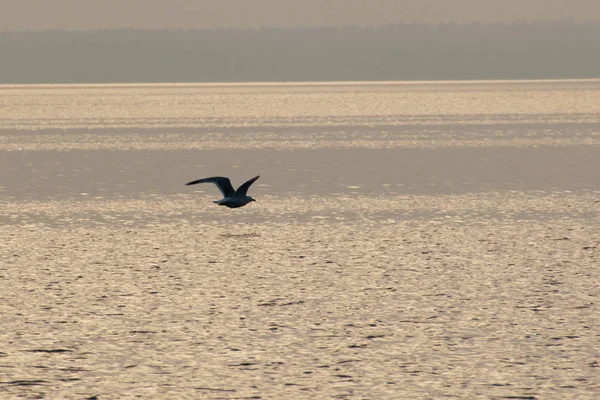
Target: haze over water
409	240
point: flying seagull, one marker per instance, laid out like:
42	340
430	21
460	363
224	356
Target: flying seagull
231	198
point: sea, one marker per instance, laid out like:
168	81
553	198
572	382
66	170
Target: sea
422	239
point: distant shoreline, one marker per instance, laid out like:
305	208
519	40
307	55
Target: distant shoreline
561	49
137	85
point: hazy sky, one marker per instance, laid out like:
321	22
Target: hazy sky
148	14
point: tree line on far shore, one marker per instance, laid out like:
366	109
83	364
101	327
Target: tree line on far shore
406	51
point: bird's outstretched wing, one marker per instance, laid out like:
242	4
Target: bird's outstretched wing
242	190
224	184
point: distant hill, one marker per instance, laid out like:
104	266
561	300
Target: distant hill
415	51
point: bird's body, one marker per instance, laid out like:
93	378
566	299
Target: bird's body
231	198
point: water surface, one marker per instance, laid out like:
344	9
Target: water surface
409	240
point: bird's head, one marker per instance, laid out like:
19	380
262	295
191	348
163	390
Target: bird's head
251	199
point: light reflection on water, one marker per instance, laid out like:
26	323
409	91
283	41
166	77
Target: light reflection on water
32	107
344	209
383	245
120	143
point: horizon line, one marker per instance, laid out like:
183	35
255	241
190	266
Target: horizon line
286	83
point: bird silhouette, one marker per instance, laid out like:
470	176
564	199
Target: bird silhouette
231	198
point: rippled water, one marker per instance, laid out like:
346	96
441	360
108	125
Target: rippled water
409	240
307	141
352	131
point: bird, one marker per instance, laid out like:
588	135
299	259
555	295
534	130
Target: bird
231	198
